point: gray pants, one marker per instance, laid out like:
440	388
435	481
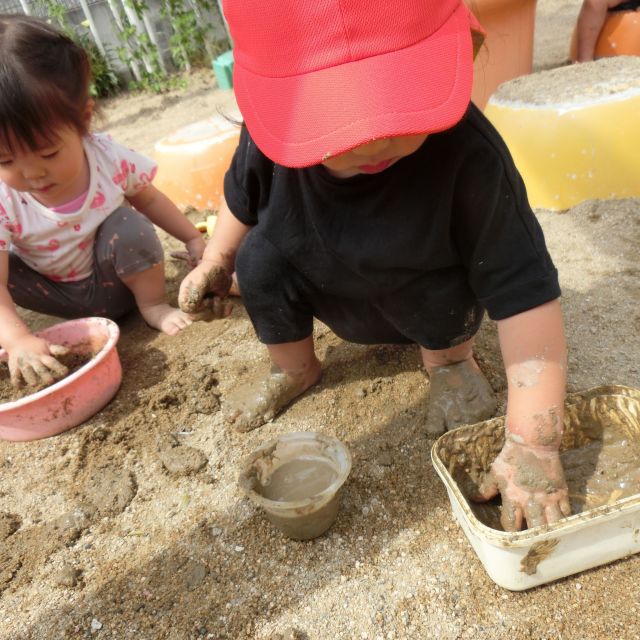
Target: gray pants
125	243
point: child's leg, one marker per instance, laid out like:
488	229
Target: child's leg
459	393
295	369
275	298
128	248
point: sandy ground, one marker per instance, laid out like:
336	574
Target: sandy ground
132	526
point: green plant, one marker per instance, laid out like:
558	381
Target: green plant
104	79
189	41
105	82
137	48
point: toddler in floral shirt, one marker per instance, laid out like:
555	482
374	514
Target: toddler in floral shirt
76	209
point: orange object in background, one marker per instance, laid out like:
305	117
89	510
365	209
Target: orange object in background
193	160
507	51
620	36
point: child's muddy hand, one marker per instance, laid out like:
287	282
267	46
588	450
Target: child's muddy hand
212	308
531	483
202	286
193	254
195	248
32	361
458	394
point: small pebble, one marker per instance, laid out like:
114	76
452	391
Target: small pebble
67	576
96	625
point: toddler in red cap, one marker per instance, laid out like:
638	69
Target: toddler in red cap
368	192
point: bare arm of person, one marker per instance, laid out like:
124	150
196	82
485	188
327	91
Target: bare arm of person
164	213
591	19
213	274
528	472
31	359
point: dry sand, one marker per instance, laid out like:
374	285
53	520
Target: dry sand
131	526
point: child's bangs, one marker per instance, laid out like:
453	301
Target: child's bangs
29	118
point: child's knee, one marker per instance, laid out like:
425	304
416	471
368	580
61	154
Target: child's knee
128	240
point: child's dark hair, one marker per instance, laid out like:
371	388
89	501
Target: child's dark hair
44	82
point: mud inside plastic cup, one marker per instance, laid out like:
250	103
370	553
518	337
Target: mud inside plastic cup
297	479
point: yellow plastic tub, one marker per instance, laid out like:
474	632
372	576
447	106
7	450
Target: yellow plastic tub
573	132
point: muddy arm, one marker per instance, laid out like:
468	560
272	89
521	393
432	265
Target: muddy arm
528	472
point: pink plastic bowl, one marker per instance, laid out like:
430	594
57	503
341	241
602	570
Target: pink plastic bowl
74	399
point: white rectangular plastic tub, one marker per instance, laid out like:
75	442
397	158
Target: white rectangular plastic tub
525	559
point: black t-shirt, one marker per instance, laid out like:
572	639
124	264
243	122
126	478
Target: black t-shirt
455	208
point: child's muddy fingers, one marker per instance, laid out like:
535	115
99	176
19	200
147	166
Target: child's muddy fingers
202	316
57	350
180	255
44	375
511	516
221	307
29	375
487	489
534	514
552	513
190	298
565	506
16	377
56	368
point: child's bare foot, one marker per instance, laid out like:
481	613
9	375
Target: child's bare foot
459	394
165	318
260	400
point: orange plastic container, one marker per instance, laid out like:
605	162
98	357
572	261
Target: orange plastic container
620	36
508	47
193	160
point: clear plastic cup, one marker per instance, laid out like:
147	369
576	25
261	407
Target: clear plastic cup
296	479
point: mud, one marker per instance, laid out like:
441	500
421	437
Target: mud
181	460
8	393
299	479
258	401
599	454
460	394
109	490
9	524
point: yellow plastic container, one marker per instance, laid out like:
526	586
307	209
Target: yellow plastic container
579	147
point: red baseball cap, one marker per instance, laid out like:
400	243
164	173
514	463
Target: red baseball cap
316	78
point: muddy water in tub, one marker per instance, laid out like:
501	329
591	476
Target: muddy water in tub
601	467
299	479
